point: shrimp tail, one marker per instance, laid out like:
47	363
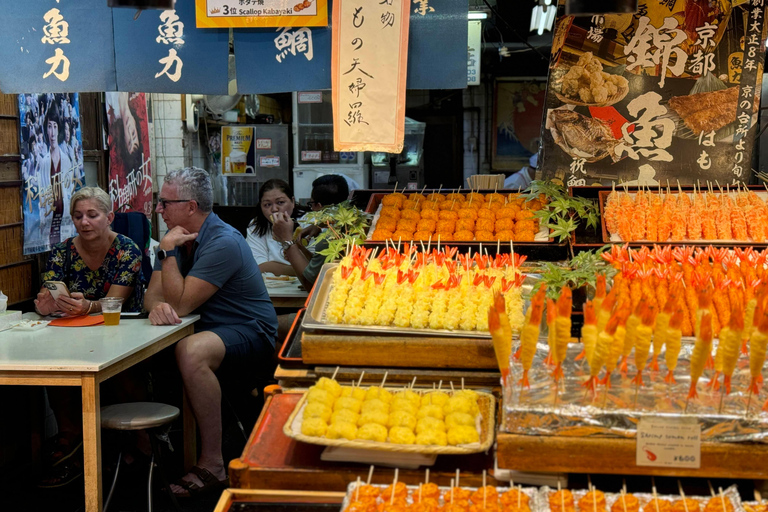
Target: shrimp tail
754	387
714	384
557	374
692	391
606	380
655	363
727	383
710	364
591	384
638	379
623	365
670	378
517	354
524	381
581	356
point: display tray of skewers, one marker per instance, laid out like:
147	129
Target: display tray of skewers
429	497
405	290
755	506
403	420
455	217
699	216
633	360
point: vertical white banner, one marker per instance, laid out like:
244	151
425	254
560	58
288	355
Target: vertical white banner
474	51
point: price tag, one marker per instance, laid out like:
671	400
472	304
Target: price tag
669	442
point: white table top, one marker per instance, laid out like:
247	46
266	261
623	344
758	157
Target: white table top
286	290
80	349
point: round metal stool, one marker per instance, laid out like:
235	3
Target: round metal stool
139	416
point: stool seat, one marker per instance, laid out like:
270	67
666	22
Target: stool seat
137	415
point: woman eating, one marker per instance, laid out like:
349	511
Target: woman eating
94	264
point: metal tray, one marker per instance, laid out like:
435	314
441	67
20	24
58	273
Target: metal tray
318	302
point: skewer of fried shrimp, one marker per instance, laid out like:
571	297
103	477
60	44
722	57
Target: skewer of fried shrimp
562	329
529	337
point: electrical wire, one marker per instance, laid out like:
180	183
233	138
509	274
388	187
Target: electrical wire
514	31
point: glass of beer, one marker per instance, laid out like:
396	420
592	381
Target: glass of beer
110	308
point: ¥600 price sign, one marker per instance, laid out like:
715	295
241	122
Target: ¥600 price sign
669	442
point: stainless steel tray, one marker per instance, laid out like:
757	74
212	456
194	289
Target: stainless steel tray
318	302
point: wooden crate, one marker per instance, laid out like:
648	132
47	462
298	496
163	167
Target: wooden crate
617	456
11	244
261	500
16	282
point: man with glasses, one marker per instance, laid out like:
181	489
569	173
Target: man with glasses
204	266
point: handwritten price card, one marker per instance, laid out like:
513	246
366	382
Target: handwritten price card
368	72
669	442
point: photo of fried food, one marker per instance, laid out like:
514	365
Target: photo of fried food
708	111
581	136
586	83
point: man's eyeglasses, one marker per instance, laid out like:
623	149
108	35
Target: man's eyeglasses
164	202
312	203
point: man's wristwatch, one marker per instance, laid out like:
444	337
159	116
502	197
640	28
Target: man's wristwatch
286	244
161	254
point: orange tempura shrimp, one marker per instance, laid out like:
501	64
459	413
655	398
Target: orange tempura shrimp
723	218
739	224
639	215
604	313
679	216
600	287
617	345
643	342
633	322
758	346
562	329
730	340
551	332
701	350
626	208
602	349
529	336
673	343
655	206
660	330
612	211
588	331
502	343
694	219
665	221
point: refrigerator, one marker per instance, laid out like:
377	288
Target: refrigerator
313	153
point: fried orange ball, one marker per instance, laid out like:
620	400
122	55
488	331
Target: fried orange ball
449	205
457	506
380	235
446	226
410	204
430	491
485	213
429	205
472	206
361	506
410	214
505	236
426	225
485	225
435	197
521	508
448	215
534	205
687	505
514	496
395	200
506	213
525	225
406	225
443	236
429	505
560	500
657	505
464	236
467	213
629	503
367	491
465	225
423	235
484	236
402	235
525	236
592	500
400	490
430	214
459	494
491	495
416	196
390	211
496	198
459	198
505	225
489	507
475	197
399	505
718	504
524	215
387	224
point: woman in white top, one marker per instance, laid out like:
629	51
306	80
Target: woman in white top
275	198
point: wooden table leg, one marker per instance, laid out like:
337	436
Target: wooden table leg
91	443
189	427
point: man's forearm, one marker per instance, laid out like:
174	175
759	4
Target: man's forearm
173	283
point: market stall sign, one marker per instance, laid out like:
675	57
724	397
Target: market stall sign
54	46
261	13
163	52
368	69
669	442
299	58
663	94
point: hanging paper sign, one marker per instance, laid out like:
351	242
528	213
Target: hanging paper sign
51	149
261	13
668	93
53	46
163	51
130	170
368	70
474	50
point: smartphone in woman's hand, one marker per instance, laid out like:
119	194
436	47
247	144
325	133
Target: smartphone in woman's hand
57	289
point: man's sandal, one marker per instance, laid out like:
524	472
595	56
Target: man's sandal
64	446
61	475
210	483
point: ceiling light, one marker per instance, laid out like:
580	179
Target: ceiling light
542	19
477	15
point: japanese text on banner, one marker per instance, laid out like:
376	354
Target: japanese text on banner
370	44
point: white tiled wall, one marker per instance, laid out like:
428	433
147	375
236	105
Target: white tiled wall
167	139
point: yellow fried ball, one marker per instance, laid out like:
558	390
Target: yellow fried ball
436	398
432	437
459	418
403	404
317	410
378	417
347	402
372	432
378	392
354	392
342	429
375	405
429	423
410	395
467	393
401	435
463	434
330	385
315	427
402	419
434	411
345	416
460	404
317	395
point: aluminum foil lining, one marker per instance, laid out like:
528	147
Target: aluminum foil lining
534	493
731	494
570	409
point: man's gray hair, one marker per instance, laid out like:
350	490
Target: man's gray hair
193	183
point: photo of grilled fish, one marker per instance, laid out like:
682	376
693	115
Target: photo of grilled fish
581	136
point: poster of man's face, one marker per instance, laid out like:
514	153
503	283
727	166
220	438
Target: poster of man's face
130	173
51	166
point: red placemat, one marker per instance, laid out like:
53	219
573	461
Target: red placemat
78	321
